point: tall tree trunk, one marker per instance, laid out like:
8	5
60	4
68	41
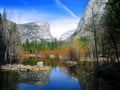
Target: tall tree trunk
116	49
5	55
96	51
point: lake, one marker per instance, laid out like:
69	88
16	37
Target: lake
58	78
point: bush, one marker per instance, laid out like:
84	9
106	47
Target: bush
32	61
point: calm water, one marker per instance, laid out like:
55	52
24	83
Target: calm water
59	78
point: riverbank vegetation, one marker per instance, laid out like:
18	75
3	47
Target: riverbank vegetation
102	44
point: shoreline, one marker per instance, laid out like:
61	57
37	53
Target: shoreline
21	67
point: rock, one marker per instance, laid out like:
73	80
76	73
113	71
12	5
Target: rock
20	67
28	31
44	68
39	63
13	69
96	6
71	63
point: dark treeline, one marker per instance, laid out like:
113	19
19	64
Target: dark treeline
110	22
41	45
9	40
109	40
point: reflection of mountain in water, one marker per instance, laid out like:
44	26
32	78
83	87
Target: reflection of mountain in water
59	80
36	78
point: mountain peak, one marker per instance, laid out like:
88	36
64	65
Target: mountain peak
66	35
35	30
39	23
93	7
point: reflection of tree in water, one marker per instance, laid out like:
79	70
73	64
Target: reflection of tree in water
8	80
36	78
90	82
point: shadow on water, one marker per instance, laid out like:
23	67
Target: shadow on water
88	81
8	80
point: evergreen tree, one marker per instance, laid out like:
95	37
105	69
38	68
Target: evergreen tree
111	25
2	45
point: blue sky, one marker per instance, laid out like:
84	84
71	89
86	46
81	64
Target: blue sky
62	15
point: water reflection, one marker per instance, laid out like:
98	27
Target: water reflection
62	80
91	82
88	81
35	78
59	80
8	80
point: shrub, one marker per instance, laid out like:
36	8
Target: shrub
32	61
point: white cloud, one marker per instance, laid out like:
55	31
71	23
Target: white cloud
66	8
20	16
60	26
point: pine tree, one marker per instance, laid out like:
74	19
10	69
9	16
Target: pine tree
2	47
111	25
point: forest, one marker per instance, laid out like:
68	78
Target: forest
103	41
89	59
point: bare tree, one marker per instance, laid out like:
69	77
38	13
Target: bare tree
10	38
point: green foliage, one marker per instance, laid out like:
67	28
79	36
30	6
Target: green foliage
32	61
84	41
51	62
43	45
110	22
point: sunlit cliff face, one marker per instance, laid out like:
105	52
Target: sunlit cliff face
35	30
93	7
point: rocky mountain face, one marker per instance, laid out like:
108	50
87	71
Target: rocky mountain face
35	31
65	36
94	7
